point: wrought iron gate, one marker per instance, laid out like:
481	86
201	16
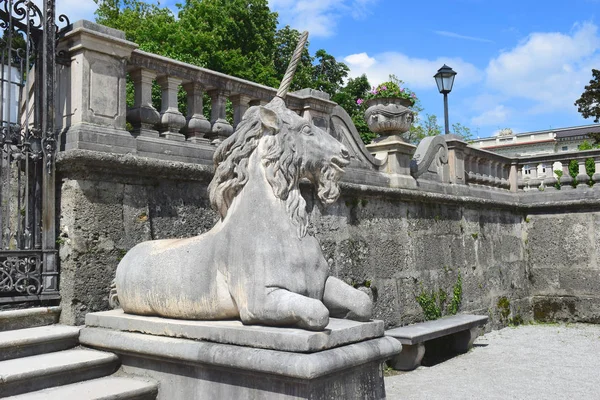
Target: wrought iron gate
28	268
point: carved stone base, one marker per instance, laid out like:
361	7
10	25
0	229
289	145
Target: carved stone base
189	368
395	155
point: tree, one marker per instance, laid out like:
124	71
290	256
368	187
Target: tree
347	97
328	74
589	102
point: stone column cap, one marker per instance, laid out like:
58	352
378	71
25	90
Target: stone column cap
102	39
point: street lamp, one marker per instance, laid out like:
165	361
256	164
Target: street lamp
445	79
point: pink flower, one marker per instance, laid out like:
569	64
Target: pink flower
402	90
359	101
414	95
384	88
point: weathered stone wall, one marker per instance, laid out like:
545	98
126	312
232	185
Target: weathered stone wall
394	245
564	258
400	247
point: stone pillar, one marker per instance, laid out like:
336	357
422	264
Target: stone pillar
91	96
316	107
143	116
241	103
197	125
171	120
513	177
221	129
397	155
456	161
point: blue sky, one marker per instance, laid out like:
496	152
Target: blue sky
520	64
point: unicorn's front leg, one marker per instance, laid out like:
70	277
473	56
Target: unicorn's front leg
281	307
343	301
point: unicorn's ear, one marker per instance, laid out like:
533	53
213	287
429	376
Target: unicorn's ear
269	119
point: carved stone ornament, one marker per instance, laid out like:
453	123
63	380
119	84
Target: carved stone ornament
389	115
258	263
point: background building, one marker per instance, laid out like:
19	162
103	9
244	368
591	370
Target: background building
538	142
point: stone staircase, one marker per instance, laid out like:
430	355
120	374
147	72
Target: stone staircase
42	360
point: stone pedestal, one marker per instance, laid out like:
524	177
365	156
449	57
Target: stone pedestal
227	360
396	155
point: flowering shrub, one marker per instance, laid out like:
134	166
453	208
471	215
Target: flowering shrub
389	89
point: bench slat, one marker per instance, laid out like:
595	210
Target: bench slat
424	331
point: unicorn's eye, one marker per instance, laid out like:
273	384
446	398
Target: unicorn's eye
306	129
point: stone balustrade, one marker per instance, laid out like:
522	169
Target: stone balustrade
93	115
92	99
539	172
476	167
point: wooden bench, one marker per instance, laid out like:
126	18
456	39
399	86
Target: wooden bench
463	329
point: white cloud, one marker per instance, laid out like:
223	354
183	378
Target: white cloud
416	72
497	115
319	17
459	36
551	69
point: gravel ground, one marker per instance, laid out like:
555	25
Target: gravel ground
527	362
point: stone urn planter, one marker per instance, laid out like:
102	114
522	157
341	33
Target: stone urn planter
389	115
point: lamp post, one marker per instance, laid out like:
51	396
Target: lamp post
445	80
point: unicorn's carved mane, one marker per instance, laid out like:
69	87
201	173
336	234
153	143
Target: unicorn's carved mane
282	168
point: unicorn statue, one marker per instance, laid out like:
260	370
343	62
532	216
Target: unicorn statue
258	263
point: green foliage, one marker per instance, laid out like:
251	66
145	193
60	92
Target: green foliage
392	88
504	308
574	171
589	102
559	175
433	303
422	128
456	297
475	235
429	304
590	169
347	97
585	146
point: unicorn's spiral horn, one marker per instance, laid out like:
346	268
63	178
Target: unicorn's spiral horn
291	69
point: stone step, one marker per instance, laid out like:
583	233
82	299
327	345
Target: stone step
109	388
27	374
28	318
39	340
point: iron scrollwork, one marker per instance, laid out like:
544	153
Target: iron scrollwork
21	274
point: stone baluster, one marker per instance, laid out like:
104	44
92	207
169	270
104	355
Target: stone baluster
513	177
198	127
143	116
497	173
171	120
582	176
596	176
566	179
221	129
241	103
472	165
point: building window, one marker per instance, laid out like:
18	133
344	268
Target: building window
565	148
527	170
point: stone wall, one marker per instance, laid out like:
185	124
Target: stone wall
393	242
564	258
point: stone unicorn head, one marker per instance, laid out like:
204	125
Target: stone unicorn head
258	263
